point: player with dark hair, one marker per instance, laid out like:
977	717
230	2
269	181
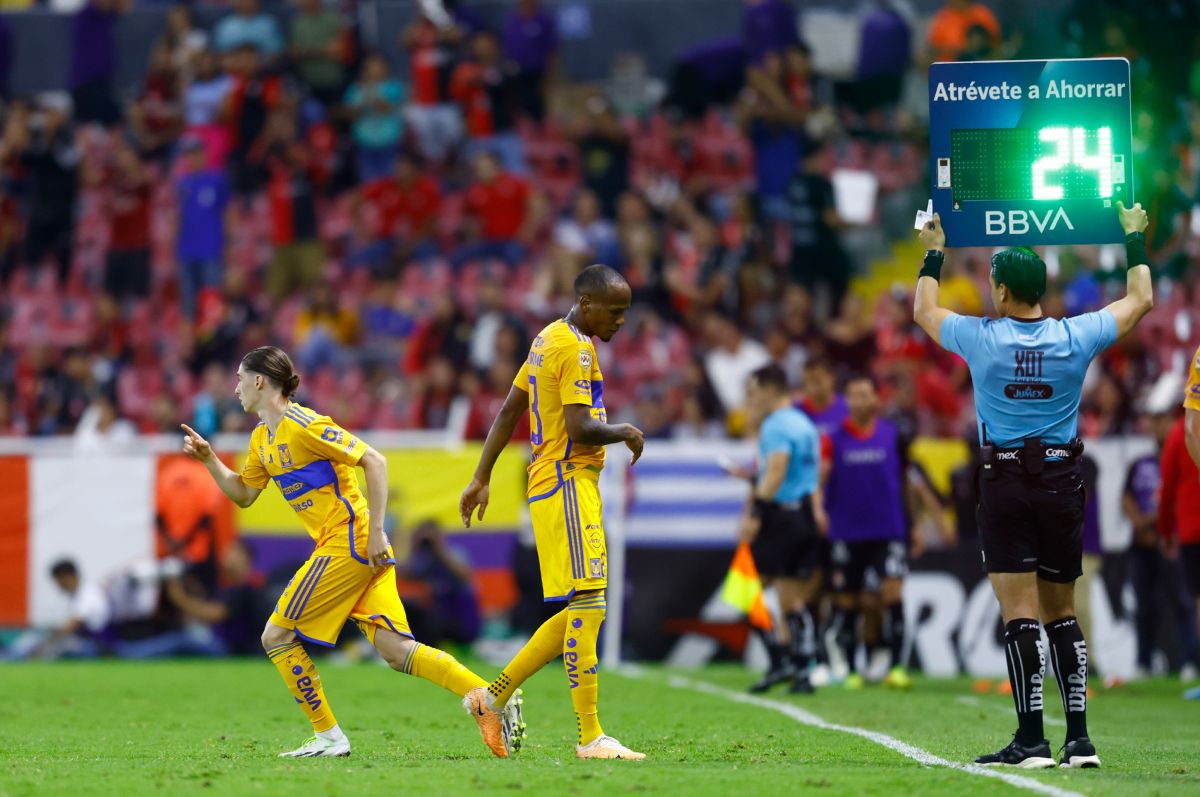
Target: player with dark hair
350	575
1027	371
864	496
561	387
784	523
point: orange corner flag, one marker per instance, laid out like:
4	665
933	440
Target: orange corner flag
743	589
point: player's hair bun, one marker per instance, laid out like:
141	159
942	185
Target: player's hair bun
274	363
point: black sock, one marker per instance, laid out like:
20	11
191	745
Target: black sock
775	650
1026	673
803	628
845	626
893	632
1069	655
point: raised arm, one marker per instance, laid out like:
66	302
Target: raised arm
928	314
1139	289
476	493
228	480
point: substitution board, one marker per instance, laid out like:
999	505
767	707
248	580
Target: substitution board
1030	152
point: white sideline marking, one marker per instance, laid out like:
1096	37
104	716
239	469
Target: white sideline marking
971	700
904	748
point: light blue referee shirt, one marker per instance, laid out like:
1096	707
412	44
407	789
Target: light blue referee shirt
1028	373
789	430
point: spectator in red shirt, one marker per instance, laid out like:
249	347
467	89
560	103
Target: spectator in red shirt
127	268
484	86
435	119
156	117
405	206
299	256
501	213
255	95
1179	506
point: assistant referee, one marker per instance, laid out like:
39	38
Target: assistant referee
1027	372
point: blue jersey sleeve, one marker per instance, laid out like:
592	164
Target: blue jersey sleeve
772	439
1092	333
961	333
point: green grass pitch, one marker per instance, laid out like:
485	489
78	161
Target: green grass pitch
214	728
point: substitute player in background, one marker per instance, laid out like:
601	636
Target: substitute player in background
1027	371
865	501
784	524
350	575
1179	504
561	387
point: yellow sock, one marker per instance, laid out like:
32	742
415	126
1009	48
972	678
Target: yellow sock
585	615
543	647
441	668
303	681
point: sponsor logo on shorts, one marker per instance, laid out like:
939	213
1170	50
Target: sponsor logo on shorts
1008	456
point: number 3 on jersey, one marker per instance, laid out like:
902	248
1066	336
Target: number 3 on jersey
535	419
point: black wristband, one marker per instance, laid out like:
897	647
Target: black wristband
933	264
1135	250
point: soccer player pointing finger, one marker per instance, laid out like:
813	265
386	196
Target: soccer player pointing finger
1027	371
350	574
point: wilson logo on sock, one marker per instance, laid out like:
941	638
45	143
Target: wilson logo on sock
1037	680
1077	681
305	685
570	658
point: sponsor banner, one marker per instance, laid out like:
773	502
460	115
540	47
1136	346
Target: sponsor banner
952	616
422	484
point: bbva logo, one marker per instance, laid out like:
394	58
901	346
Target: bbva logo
1017	222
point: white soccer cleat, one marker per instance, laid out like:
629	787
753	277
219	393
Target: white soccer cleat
607	747
316	747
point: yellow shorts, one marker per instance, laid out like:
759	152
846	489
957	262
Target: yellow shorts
330	589
569	531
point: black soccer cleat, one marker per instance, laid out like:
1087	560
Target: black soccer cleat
801	685
1016	755
1079	754
774	677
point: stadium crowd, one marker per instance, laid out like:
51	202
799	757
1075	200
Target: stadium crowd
272	180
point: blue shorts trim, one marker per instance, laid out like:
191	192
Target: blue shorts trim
392	627
555	598
320	642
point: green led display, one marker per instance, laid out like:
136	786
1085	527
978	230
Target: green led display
1048	163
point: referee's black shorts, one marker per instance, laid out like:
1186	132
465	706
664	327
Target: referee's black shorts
1031	523
788	544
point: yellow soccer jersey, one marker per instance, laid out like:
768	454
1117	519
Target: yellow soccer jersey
312	459
1191	394
561	369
